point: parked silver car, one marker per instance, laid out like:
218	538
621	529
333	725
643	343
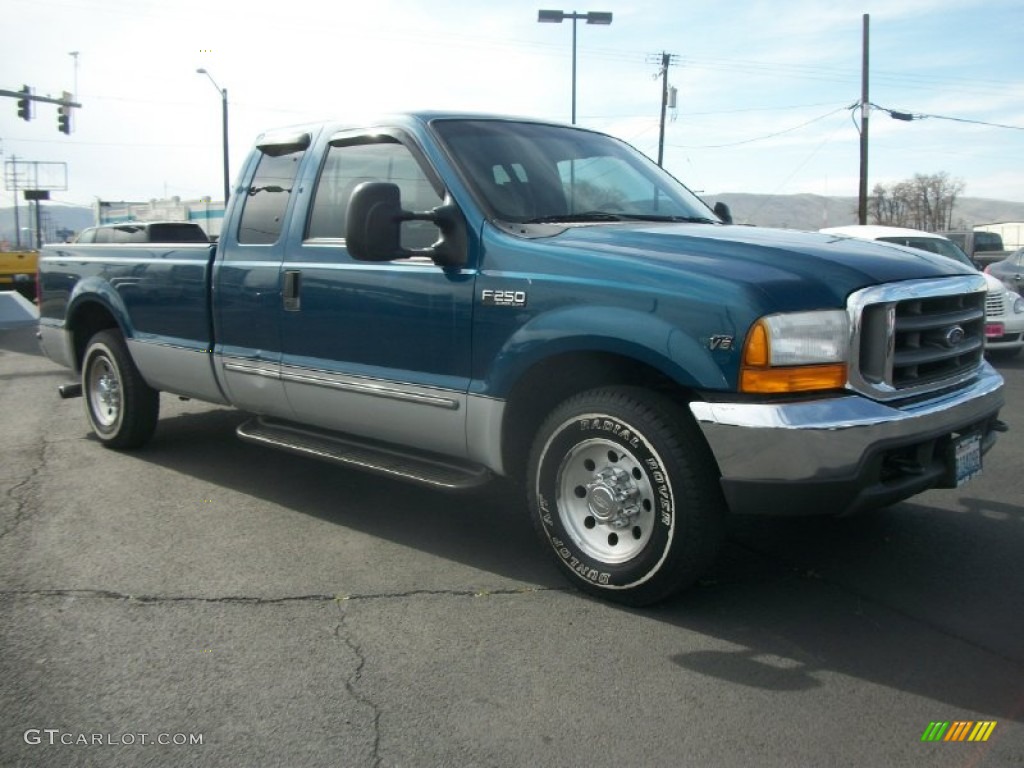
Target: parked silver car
1010	271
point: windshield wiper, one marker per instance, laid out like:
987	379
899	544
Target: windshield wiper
666	217
571	218
587	216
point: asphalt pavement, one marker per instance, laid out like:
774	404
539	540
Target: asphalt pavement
206	602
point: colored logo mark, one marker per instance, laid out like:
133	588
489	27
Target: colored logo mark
959	730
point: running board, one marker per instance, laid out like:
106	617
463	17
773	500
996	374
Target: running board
436	472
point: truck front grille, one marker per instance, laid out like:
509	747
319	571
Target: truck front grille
917	336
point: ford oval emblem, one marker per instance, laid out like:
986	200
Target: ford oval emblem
954	336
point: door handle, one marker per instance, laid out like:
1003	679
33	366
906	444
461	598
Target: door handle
292	286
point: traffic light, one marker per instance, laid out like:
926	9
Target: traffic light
25	104
64	115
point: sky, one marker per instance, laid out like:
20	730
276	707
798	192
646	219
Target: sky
765	88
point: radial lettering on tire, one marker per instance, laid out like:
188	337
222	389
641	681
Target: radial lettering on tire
606	502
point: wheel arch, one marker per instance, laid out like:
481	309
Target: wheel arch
86	318
554	379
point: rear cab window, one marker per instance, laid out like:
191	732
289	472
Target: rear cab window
272	185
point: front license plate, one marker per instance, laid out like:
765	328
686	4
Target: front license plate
994	330
967	456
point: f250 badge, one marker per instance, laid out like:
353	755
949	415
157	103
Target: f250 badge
492	298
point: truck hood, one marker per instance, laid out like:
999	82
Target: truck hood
796	269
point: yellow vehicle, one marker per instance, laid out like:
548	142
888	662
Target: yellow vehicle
18	272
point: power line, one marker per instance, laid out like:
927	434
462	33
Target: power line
761	138
76	143
908	116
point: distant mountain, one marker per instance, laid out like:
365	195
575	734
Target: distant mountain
55	217
817	211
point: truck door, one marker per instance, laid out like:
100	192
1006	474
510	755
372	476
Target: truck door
380	350
246	285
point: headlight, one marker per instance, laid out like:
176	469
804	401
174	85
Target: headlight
796	352
1018	305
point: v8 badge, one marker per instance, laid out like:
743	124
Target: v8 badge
720	341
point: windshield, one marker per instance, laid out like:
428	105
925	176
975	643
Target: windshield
531	173
987	241
932	244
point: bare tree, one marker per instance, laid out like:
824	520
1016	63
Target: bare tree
923	202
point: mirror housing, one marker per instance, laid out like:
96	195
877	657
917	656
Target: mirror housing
722	211
373	227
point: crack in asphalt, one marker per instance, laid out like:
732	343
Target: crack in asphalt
14	493
352	683
104	594
355	678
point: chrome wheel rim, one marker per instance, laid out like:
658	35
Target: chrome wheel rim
104	386
606	501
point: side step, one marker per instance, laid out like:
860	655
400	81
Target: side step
425	469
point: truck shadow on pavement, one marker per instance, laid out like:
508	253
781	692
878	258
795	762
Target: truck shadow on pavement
921	598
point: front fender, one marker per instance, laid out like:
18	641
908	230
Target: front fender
627	333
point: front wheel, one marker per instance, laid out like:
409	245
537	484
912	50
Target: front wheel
122	408
625	492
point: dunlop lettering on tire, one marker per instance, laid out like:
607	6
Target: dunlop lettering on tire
625	494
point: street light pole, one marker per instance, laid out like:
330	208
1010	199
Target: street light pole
574	68
74	55
865	109
556	17
224	138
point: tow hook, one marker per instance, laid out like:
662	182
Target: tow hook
68	391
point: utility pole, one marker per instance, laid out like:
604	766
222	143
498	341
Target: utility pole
14	180
862	207
667	59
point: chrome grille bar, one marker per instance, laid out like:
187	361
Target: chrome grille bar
917	336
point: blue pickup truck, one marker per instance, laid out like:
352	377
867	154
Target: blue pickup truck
447	298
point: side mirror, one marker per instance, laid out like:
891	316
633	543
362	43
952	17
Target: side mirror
373	227
373	223
722	211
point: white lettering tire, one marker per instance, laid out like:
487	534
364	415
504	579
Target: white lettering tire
625	492
122	408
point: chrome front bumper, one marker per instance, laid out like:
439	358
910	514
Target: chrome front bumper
840	455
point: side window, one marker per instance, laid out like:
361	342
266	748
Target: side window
103	235
350	164
267	198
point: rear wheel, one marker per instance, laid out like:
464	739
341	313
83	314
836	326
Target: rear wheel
122	408
625	492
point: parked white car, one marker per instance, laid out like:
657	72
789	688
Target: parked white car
1004	309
